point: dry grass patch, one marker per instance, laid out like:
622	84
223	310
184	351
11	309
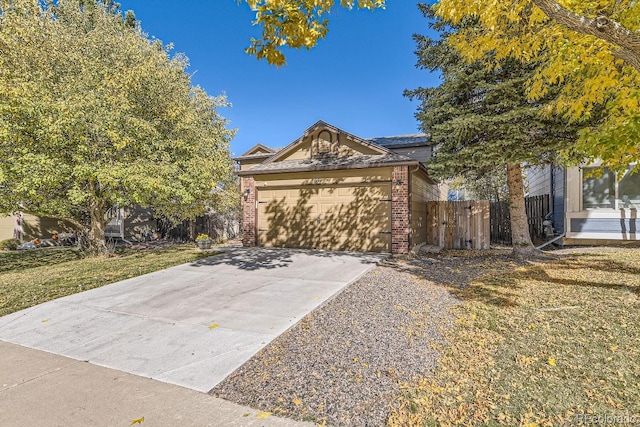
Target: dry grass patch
28	278
538	346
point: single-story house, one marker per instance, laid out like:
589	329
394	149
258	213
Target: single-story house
27	227
588	207
332	190
132	223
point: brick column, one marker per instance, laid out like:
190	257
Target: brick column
400	226
249	212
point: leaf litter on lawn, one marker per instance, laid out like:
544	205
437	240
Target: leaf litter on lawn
542	344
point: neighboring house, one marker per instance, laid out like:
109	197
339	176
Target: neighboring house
257	154
135	224
336	191
589	208
30	226
131	223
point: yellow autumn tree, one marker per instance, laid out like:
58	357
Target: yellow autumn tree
592	47
295	24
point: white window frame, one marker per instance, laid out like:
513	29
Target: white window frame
616	198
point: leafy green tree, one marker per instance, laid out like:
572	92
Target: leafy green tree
481	120
492	187
94	114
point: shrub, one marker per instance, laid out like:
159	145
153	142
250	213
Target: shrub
9	244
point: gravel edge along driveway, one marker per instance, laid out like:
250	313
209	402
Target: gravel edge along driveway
343	363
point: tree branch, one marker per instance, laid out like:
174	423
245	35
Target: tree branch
601	27
629	57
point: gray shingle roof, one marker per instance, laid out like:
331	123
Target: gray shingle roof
400	141
254	156
365	160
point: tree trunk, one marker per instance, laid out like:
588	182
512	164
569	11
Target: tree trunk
96	240
521	240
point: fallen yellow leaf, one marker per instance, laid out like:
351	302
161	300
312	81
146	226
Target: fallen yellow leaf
45	320
137	421
297	402
263	415
613	348
552	361
214	325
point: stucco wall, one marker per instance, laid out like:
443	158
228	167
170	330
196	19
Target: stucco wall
421	191
323	177
33	226
249	163
339	145
6	227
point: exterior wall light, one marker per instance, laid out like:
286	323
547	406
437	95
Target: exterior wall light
246	194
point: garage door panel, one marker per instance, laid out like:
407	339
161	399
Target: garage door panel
326	217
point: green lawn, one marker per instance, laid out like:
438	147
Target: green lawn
538	346
32	277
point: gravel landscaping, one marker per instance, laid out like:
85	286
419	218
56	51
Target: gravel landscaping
343	364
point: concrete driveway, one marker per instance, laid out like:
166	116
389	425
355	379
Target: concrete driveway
190	325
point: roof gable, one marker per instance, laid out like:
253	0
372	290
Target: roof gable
258	149
325	140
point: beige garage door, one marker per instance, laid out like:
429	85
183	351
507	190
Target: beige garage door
353	217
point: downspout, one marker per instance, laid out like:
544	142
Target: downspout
564	213
552	190
564	202
555	239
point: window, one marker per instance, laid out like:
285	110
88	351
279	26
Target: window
601	190
324	144
629	191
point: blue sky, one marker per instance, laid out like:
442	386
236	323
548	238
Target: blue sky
353	79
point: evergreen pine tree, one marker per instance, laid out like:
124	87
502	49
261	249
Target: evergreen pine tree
481	121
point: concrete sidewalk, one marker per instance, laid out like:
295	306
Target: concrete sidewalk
43	389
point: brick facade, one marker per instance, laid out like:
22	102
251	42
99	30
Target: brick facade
249	212
400	215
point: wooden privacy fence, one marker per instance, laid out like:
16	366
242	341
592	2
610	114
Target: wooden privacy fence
215	225
537	207
459	225
500	223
